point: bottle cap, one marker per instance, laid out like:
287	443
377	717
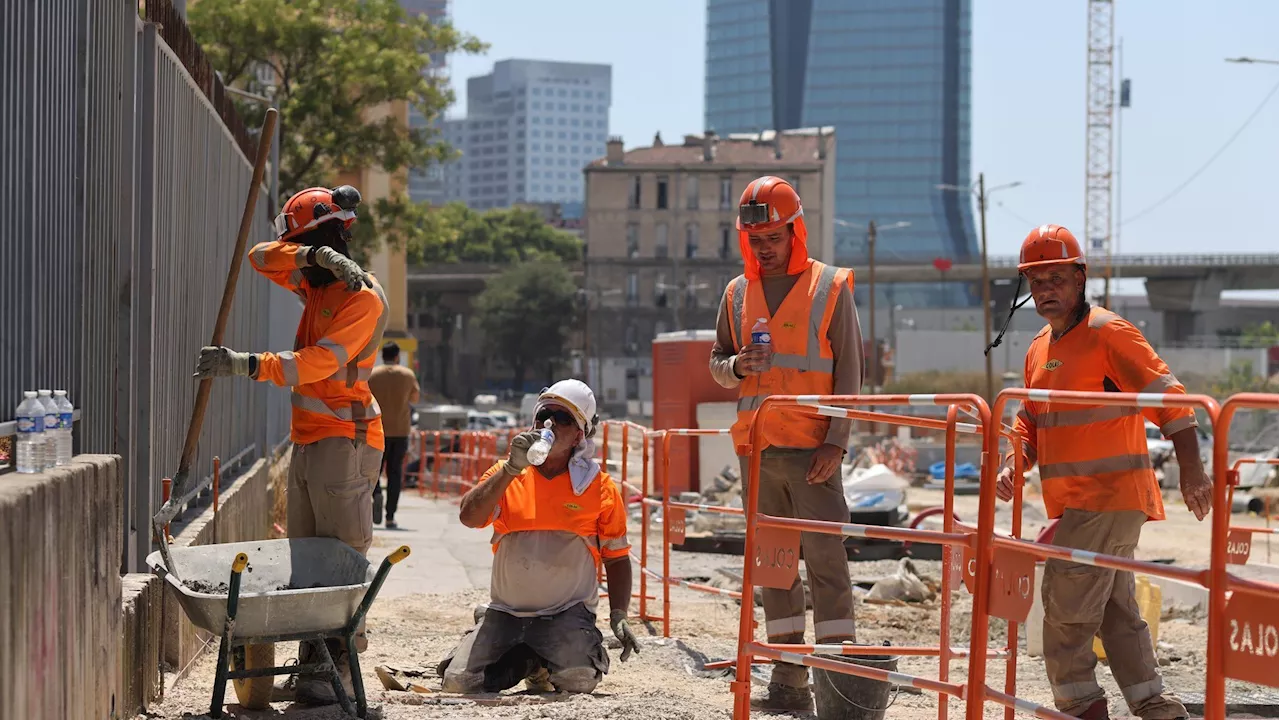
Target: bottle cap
763	320
60	393
28	393
46	392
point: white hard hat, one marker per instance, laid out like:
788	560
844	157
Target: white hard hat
576	397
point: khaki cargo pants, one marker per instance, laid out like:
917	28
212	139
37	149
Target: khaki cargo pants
1081	601
784	492
330	494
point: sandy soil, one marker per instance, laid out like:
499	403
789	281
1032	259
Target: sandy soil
666	682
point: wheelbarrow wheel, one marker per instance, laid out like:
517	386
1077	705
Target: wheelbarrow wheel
254	693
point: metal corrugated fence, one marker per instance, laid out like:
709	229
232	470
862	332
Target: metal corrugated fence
123	190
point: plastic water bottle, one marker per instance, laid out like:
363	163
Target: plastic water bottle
65	421
760	336
50	428
542	446
30	422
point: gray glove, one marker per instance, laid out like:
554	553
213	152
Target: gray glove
221	362
518	453
346	269
622	631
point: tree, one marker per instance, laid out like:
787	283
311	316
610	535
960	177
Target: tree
526	313
330	65
456	233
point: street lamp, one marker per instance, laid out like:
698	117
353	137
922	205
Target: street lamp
1250	61
980	190
275	141
584	295
688	289
871	262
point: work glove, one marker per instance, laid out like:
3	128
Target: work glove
343	267
622	631
518	454
221	362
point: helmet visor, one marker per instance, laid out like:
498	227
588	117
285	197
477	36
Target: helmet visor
753	213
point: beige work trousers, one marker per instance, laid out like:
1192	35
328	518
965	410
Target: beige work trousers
784	492
1081	601
330	494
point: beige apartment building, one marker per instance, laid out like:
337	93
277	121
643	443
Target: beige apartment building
661	243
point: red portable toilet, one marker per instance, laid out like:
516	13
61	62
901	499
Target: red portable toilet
682	380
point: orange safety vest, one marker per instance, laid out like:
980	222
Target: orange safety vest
1095	457
532	502
333	352
803	361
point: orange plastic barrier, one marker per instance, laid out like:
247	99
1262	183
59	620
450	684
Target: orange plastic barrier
453	472
1239	537
772	555
629	430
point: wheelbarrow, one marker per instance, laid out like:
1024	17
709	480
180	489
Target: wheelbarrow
255	594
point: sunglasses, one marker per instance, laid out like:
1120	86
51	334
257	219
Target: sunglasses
559	417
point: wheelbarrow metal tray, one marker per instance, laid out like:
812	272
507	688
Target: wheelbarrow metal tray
330	579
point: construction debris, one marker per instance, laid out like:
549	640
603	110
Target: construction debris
905	585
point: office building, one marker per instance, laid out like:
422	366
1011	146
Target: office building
661	244
530	128
427	184
892	77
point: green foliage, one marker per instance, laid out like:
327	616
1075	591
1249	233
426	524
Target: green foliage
938	381
333	63
456	233
1260	336
526	314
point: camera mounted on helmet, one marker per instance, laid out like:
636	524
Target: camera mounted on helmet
315	207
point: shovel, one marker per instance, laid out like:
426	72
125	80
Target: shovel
183	488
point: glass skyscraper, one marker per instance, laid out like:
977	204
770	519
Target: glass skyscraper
892	76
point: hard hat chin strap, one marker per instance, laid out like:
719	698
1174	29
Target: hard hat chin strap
1013	307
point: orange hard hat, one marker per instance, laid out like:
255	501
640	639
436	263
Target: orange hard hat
1050	245
769	203
310	208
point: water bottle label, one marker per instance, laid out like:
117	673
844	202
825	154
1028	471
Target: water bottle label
51	421
761	338
31	424
64	421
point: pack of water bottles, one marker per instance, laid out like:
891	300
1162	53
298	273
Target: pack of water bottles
44	420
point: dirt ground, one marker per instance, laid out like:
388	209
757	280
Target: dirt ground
667	682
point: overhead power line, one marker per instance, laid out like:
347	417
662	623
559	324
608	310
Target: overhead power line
1172	193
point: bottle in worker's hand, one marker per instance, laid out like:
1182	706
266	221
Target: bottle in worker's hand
761	338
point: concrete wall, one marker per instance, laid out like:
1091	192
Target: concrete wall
244	514
140	681
60	591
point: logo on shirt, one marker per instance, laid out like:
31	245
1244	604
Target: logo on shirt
788	326
573	506
1053	365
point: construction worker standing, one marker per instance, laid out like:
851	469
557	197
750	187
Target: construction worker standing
1096	476
553	524
335	427
815	349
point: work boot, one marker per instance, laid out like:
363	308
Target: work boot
391	522
318	689
784	698
479	612
539	681
1096	711
284	690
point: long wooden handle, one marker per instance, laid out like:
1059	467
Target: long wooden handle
229	291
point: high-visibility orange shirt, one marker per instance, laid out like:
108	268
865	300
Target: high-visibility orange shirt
333	353
1095	457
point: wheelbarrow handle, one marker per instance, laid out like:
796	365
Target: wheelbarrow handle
396	556
238	566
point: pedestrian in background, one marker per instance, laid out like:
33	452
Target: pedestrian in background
395	387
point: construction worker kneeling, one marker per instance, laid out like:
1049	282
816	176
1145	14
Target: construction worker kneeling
815	348
553	524
1096	476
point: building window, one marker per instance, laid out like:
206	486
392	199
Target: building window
726	193
633	198
633	289
662	192
691	192
633	384
633	240
691	291
691	240
660	240
660	291
726	234
630	342
795	183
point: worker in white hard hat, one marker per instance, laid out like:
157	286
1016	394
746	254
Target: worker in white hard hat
553	524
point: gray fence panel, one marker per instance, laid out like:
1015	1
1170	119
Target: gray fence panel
125	187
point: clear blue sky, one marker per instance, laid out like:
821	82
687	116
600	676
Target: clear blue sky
1028	103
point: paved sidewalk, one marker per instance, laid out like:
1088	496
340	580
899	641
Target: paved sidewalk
446	555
